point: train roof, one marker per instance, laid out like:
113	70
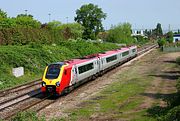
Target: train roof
77	61
116	51
95	56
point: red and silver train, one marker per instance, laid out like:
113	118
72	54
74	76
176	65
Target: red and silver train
60	76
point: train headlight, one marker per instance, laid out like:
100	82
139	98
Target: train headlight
57	84
43	84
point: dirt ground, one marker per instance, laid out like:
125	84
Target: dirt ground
163	83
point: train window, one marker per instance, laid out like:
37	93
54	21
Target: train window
53	71
125	53
112	58
133	50
85	68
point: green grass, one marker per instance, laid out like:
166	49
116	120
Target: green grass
27	116
35	57
117	98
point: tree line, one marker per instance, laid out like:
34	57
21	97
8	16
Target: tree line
24	29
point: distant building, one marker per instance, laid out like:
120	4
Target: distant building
137	32
176	38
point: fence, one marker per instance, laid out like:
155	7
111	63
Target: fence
171	49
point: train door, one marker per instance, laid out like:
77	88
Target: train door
74	75
98	65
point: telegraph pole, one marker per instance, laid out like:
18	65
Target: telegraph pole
25	12
169	27
67	20
49	17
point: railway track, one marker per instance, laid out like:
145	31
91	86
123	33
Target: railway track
31	99
9	111
20	87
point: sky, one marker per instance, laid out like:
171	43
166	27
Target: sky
141	14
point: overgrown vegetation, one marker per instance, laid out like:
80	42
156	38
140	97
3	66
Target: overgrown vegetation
49	34
27	116
24	29
34	57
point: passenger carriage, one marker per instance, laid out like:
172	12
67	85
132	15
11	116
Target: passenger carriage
62	75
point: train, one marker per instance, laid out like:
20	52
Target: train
61	76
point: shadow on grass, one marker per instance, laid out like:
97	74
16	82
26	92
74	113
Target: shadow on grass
168	76
170	61
165	97
172	72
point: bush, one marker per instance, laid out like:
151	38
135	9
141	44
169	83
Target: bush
172	115
27	116
161	42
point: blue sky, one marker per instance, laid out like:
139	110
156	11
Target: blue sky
140	13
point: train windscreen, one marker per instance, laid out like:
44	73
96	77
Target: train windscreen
53	71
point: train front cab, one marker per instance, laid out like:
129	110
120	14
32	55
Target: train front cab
56	77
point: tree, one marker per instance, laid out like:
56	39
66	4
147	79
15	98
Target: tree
161	42
158	30
148	32
169	37
90	16
120	34
24	20
25	15
3	14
